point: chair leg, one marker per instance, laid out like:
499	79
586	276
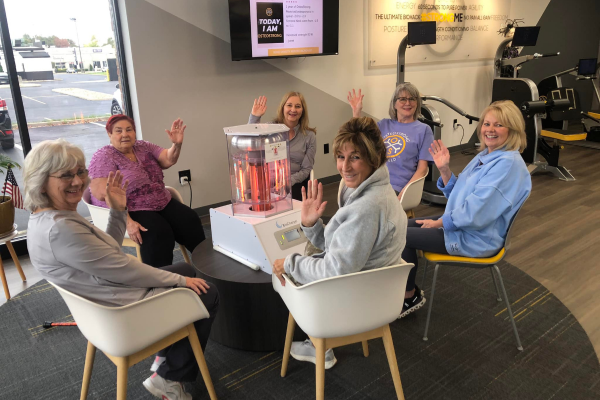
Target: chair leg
510	314
499	298
90	355
4	283
11	250
289	337
122	370
197	348
391	356
435	272
365	345
185	254
320	367
424	273
138	252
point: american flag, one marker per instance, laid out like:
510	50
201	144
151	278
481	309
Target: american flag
11	188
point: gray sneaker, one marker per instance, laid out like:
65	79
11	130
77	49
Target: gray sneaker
165	389
305	351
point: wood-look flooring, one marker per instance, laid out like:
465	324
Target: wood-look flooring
556	236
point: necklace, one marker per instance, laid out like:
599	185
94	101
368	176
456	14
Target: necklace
130	157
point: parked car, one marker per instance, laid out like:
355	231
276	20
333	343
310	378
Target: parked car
117	106
7	138
3	78
71	70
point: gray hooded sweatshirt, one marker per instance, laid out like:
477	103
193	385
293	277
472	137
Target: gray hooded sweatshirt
367	232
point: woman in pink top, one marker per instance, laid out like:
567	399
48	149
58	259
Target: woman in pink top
155	221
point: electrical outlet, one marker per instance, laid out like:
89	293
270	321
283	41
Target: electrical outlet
455	124
326	148
184	177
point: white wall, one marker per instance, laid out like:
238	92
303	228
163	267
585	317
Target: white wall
199	84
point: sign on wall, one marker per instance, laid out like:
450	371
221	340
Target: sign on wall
466	29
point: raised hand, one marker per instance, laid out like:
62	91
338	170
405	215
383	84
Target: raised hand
313	205
260	106
355	101
116	191
440	154
176	132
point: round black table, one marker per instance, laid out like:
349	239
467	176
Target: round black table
251	314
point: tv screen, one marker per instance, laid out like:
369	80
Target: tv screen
284	28
525	36
421	33
587	66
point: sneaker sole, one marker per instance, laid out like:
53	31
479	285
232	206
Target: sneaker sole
412	309
150	387
328	364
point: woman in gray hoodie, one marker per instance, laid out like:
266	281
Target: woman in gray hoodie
367	232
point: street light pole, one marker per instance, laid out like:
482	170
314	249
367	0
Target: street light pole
78	43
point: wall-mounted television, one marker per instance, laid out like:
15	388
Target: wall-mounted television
282	29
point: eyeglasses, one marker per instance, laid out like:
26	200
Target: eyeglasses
404	100
68	177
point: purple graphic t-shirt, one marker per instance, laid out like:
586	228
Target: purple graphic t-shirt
406	144
146	190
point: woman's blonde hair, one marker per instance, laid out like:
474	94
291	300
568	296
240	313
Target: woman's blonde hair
279	119
364	134
509	116
48	157
412	92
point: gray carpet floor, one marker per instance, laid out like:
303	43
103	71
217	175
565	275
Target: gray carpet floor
471	352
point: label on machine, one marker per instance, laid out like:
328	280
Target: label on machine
275	151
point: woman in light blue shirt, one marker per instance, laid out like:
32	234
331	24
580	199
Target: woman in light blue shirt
481	201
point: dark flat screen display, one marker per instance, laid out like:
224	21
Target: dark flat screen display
421	33
283	28
525	36
587	66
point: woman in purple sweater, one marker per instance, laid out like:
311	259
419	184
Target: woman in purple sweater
154	221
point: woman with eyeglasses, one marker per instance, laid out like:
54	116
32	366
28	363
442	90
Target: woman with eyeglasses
407	141
72	253
155	220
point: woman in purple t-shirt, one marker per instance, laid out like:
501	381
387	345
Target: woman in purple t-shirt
155	221
407	140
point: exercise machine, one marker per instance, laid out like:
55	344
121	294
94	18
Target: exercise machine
539	154
422	33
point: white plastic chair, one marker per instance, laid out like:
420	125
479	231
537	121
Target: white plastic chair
343	310
100	218
411	197
129	334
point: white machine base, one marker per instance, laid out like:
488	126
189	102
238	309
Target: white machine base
257	242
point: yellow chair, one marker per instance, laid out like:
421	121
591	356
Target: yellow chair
469	262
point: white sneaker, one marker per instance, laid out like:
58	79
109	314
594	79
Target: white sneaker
157	363
165	389
305	351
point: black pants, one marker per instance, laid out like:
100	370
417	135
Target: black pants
180	364
175	222
297	189
426	239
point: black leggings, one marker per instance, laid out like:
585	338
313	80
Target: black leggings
297	189
175	222
426	239
180	364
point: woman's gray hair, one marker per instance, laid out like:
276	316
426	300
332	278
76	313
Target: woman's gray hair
48	157
413	92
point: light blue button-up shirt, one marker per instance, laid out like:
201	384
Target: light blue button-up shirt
482	201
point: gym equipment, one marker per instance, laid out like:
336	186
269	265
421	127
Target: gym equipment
420	33
586	69
540	155
262	223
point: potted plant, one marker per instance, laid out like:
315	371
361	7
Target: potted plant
7	207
